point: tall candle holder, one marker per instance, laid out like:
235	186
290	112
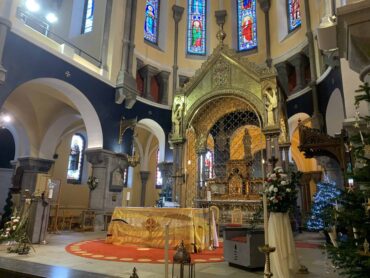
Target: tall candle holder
266	249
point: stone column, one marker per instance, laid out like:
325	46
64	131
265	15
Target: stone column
166	171
162	78
39	209
177	171
272	148
105	197
284	151
317	119
144	175
5	25
298	62
126	83
265	6
147	72
177	14
107	22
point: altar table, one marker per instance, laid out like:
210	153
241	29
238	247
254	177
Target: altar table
146	227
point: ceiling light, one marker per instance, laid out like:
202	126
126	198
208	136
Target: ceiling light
4	119
32	6
51	17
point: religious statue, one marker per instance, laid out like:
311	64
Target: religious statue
247	30
177	116
270	105
283	138
149	19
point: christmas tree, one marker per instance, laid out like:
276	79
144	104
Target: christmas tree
350	249
325	196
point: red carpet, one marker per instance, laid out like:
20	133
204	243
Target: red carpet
301	244
98	249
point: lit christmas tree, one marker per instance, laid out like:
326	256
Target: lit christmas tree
325	196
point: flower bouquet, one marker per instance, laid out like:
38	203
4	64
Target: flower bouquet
10	227
280	191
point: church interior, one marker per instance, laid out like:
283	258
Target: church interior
144	138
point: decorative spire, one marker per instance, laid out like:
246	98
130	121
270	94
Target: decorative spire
220	19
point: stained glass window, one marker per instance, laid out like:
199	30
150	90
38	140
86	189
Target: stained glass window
247	25
208	165
88	17
196	41
151	21
75	160
159	179
294	14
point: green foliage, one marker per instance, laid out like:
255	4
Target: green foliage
352	220
8	210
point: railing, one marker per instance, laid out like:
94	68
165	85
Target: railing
44	28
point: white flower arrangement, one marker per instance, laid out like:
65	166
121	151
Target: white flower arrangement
280	191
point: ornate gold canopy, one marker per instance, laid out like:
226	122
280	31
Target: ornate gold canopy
228	75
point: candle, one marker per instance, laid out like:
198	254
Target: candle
128	196
209	196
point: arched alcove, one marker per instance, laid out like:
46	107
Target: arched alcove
7	148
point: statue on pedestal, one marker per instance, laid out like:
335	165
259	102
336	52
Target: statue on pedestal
177	116
270	105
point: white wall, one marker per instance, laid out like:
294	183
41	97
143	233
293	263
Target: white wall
334	116
70	17
5	183
351	83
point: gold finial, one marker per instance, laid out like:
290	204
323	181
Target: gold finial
221	35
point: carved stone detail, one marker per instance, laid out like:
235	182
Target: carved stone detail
221	74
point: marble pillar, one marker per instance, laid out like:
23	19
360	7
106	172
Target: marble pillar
162	78
144	176
177	15
106	196
147	72
126	83
166	171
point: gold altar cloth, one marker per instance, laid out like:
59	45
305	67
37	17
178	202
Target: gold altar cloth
146	227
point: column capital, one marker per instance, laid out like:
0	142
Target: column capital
163	76
177	13
34	164
220	17
265	5
100	158
183	80
148	71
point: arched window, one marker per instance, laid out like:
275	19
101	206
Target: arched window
294	14
196	41
151	21
247	25
88	19
75	161
159	179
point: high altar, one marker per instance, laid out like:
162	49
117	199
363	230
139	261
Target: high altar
228	123
146	227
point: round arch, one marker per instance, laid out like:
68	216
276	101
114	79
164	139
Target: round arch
71	94
157	130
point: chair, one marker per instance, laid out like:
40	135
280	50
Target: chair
88	220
